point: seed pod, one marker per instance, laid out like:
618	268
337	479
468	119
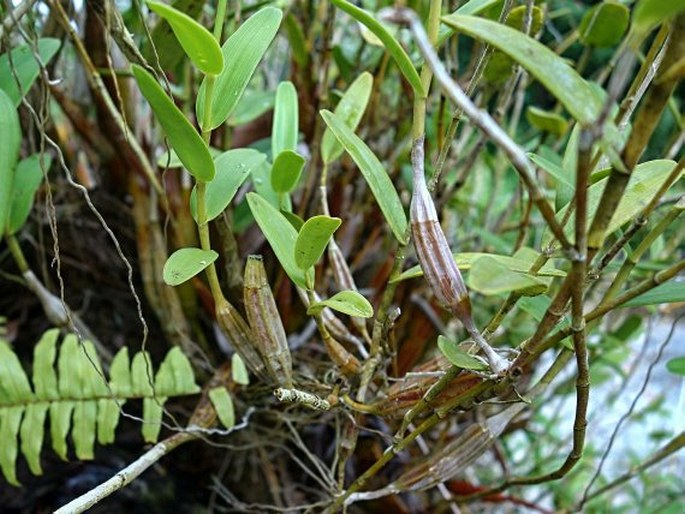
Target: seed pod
432	250
265	321
347	362
240	336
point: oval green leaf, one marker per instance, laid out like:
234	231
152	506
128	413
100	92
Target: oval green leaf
25	67
546	121
281	235
27	178
286	121
648	13
232	168
391	45
183	137
185	263
488	276
459	357
239	370
348	302
374	173
242	53
286	171
604	24
551	70
223	405
676	366
197	42
10	137
313	238
350	110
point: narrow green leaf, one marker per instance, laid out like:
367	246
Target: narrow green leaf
669	292
183	137
251	106
120	380
280	234
554	169
198	43
676	366
350	110
286	171
645	181
459	357
25	68
286	119
313	239
185	263
380	184
232	168
546	121
60	422
10	418
465	262
108	419
32	434
169	159
391	44
239	370
470	8
649	13
83	431
153	409
175	375
142	375
242	53
489	277
10	137
348	302
550	69
27	178
294	219
604	24
223	405
14	384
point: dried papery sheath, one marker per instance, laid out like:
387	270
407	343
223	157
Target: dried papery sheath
265	322
347	362
235	327
307	399
434	254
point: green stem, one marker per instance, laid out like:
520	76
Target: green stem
17	254
219	19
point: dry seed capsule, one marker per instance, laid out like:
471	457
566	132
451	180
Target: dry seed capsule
434	254
262	314
240	336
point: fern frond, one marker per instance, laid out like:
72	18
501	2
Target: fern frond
79	397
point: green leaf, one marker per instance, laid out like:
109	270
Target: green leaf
185	263
604	24
546	121
166	46
142	375
645	181
380	184
232	168
286	171
294	219
242	53
669	292
153	409
9	427
350	110
175	375
44	376
251	106
348	302
60	421
286	121
648	13
197	42
25	66
27	178
239	370
14	384
169	159
459	357
550	69
183	137
10	137
391	44
120	379
676	366
313	238
555	170
223	405
470	8
488	276
281	235
465	262
32	434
